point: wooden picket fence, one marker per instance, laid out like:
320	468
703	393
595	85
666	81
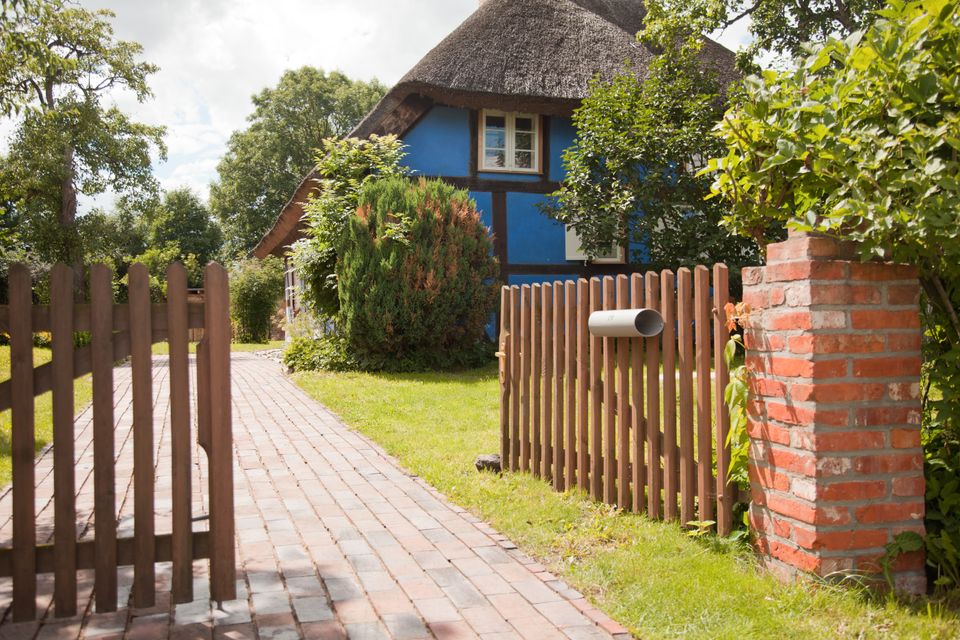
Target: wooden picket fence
596	413
118	331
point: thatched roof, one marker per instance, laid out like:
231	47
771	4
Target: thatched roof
533	55
526	55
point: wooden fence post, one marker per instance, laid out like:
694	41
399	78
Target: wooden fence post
654	438
514	380
671	469
504	357
725	490
623	402
223	573
22	445
704	420
182	495
536	442
583	384
144	576
688	476
64	491
547	367
104	474
639	411
596	397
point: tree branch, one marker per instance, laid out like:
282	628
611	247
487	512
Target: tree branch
843	16
743	14
947	303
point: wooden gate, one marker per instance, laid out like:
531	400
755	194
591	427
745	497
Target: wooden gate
118	331
580	411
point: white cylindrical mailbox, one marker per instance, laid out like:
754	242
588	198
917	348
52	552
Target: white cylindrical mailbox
626	323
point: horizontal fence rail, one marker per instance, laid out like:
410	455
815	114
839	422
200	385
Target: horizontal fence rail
116	332
639	423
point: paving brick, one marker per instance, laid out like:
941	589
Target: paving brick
335	540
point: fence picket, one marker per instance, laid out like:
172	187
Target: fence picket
671	470
596	397
583	385
654	437
223	571
182	534
704	420
639	411
623	401
143	474
559	373
22	445
688	480
570	337
105	502
546	365
514	379
725	491
609	403
536	371
64	491
525	377
504	357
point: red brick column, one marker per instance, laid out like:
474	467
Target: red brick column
834	415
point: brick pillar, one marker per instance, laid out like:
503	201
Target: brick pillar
834	417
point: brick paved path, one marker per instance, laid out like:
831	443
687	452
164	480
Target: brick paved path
335	540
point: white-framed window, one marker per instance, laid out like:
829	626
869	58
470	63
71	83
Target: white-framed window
292	288
510	142
574	250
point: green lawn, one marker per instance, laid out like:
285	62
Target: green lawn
647	575
163	349
44	419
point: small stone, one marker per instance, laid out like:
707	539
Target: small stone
489	463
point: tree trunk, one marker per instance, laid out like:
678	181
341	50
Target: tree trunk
67	218
68	191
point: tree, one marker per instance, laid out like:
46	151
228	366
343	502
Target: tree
265	162
59	62
778	27
184	221
861	141
344	168
631	173
11	13
256	286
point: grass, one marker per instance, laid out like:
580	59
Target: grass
648	575
42	407
163	349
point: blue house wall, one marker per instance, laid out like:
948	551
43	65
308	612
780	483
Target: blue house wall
529	244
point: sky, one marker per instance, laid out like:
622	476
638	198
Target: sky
215	54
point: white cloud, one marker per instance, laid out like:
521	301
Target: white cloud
215	54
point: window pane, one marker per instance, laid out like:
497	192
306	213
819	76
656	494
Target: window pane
524	141
524	124
495	159
496	139
524	160
498	122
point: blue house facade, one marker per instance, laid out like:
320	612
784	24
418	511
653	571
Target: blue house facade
489	110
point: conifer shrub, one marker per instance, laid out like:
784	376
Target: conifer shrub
417	280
